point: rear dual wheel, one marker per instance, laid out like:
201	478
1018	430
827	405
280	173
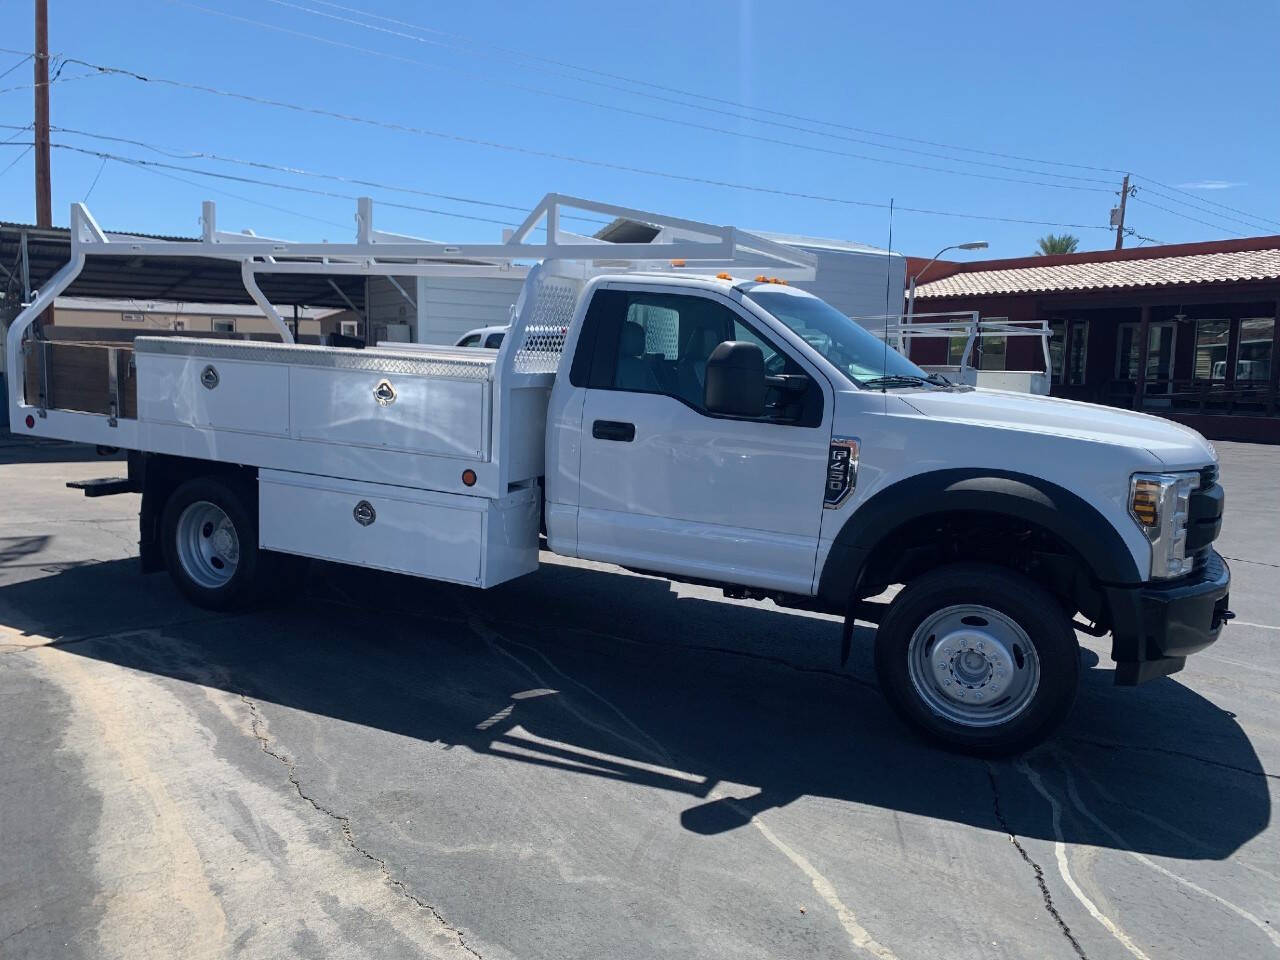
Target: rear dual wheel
209	532
978	658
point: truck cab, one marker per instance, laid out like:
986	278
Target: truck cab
749	435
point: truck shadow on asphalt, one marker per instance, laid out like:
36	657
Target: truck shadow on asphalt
20	449
738	707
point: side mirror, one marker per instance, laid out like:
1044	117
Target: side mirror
735	380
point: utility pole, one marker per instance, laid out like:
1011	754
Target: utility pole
1117	215
44	189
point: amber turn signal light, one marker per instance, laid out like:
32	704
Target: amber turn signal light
1145	502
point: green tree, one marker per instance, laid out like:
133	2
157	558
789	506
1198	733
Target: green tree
1057	243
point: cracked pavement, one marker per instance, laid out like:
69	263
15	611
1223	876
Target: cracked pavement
586	763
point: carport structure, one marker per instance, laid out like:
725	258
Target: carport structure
30	255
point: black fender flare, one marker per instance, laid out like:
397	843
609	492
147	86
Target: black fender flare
1067	516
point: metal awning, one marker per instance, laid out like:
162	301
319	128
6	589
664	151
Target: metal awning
188	280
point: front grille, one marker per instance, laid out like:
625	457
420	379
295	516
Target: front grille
1205	516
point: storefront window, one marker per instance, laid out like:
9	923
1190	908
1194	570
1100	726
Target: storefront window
955	350
1078	342
1211	349
1126	352
1254	356
1056	341
991	355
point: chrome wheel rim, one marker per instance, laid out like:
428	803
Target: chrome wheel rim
973	665
208	548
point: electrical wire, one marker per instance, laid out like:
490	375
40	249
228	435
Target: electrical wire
100	69
14	162
551	155
690	124
293	188
505	52
490	78
179	154
150	168
11	126
57	75
96	177
29	56
1184	216
1130	232
1214	213
240	197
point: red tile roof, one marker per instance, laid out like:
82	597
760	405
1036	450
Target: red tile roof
1253	258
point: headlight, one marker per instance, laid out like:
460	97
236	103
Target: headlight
1159	503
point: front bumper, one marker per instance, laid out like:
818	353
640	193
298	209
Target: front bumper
1156	627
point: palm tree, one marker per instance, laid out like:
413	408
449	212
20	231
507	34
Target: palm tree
1057	243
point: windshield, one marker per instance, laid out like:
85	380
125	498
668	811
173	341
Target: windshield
851	348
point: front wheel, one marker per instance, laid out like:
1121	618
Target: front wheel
979	658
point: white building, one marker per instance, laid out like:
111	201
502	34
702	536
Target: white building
858	280
440	309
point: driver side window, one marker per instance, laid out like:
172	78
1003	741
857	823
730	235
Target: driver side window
660	343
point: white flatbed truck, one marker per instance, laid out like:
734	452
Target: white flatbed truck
693	417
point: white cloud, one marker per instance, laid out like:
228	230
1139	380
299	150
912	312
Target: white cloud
1210	185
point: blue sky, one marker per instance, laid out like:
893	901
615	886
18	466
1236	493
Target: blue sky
1164	90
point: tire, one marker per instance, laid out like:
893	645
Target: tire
209	532
1009	667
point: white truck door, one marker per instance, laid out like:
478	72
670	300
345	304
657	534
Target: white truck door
667	486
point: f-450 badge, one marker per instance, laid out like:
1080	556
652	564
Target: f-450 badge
842	471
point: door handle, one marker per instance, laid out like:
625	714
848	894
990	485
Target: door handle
613	430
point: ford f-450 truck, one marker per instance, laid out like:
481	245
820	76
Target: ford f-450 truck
674	408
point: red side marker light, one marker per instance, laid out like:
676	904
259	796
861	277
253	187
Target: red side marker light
31	422
468	477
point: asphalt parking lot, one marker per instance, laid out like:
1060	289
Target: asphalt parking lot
589	764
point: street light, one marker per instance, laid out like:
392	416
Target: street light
911	296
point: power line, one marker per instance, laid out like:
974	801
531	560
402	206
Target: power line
16	66
13	126
96	177
487	77
293	188
652	116
1214	213
546	154
508	51
14	162
1175	213
691	124
236	196
57	76
179	154
202	187
100	69
1130	232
